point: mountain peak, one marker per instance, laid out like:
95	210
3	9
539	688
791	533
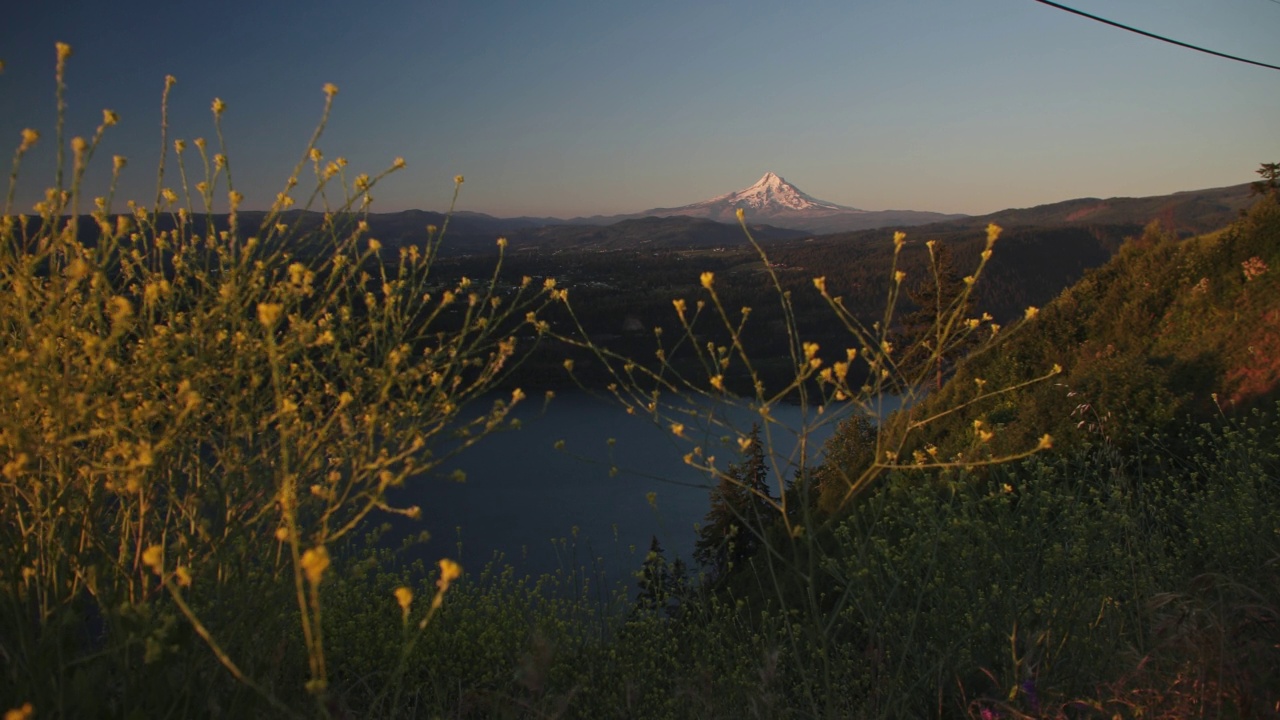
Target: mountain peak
774	201
772	193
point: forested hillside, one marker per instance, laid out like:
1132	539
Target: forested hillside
1168	329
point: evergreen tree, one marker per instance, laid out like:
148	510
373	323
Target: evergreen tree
741	510
662	585
1270	182
927	349
846	455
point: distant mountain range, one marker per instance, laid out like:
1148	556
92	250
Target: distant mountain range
778	211
774	201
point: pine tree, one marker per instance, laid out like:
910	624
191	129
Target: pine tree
741	510
1270	182
928	349
662	585
846	455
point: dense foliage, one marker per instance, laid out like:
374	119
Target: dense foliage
1168	328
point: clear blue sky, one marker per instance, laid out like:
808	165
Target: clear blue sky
576	108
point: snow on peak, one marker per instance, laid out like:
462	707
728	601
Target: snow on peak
773	192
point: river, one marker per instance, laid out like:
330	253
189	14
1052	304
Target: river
541	508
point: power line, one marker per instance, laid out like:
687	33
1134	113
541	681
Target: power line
1158	37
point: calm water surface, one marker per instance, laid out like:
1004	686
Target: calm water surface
543	508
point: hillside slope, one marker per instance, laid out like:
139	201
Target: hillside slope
1167	329
1156	334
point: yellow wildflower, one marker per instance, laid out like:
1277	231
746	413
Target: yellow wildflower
269	313
153	557
109	117
314	562
29	138
26	712
449	571
404	598
64	50
821	284
993	232
121	309
183	575
457	179
330	89
1031	313
218	106
707	279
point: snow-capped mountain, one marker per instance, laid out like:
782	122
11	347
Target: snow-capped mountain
770	198
774	201
773	194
